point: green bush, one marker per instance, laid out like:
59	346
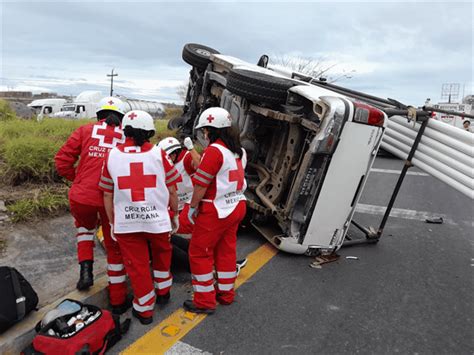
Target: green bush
44	202
6	113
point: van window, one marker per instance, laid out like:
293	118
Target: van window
47	110
80	108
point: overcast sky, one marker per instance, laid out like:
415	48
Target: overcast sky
402	50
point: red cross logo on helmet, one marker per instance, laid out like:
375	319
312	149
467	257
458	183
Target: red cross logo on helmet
132	115
210	118
110	102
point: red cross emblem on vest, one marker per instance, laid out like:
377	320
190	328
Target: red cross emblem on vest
108	136
238	175
137	182
210	118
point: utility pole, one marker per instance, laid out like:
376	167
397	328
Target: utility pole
112	81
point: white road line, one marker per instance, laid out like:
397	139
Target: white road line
397	172
181	348
402	213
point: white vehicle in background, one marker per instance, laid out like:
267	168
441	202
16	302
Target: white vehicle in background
83	106
46	107
310	148
155	109
453	120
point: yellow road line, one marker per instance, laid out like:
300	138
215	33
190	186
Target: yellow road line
163	336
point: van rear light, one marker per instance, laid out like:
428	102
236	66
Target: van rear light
368	115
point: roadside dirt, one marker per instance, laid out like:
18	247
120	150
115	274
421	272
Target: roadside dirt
45	253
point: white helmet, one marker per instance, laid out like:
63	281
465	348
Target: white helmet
215	117
138	119
169	145
112	104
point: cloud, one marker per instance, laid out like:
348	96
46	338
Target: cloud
404	49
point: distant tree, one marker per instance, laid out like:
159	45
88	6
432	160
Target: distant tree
181	91
314	67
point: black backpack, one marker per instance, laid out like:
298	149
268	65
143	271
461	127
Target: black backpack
17	297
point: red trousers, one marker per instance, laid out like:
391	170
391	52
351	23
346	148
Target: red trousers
214	243
134	248
87	218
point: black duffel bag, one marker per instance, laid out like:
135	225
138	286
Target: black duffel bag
17	297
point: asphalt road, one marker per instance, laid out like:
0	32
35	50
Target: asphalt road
409	293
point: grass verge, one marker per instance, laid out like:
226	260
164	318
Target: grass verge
27	150
45	201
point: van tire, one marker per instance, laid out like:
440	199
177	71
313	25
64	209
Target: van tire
175	123
258	87
197	55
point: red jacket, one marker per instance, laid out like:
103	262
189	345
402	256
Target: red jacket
90	143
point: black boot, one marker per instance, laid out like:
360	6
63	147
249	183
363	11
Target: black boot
143	320
163	299
189	306
122	308
86	278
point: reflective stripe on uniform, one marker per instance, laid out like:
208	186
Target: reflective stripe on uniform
177	176
161	274
105	179
171	172
115	267
164	284
85	238
85	230
104	186
203	180
200	288
117	279
226	274
147	297
203	277
143	308
203	173
225	287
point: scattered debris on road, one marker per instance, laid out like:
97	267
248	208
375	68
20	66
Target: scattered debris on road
324	259
435	220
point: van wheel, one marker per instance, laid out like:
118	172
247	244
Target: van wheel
175	123
258	87
197	55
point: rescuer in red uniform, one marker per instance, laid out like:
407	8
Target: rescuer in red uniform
139	183
217	208
89	144
186	161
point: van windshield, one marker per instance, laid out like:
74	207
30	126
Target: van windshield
68	108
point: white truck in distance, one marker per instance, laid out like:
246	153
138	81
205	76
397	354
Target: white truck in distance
46	107
83	106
